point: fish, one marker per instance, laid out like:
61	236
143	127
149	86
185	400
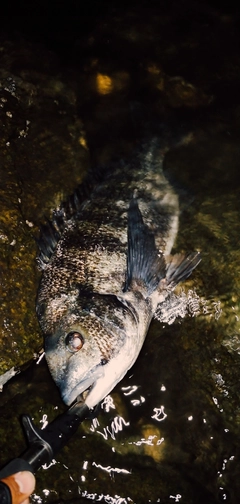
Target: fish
107	268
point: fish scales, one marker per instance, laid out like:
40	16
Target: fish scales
106	270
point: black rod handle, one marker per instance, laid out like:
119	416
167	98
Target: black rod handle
44	444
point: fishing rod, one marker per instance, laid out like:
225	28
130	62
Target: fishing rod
44	444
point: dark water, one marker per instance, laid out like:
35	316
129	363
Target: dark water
79	92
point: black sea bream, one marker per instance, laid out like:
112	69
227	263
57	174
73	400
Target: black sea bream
106	270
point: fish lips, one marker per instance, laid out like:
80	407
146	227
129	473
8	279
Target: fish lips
70	395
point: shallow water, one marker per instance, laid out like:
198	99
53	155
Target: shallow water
169	432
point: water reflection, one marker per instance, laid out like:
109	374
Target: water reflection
130	389
159	414
111	470
106	498
116	426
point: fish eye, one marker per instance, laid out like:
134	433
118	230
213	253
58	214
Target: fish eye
74	341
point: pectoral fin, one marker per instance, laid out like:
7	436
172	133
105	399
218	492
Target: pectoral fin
144	263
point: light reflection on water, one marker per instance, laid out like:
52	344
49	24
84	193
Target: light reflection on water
187	303
111	470
106	498
159	414
117	424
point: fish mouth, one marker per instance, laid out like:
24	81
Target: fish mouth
86	383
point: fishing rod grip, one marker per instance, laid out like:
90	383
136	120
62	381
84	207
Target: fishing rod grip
9	488
44	444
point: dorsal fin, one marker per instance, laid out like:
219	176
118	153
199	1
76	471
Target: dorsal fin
50	234
144	262
51	231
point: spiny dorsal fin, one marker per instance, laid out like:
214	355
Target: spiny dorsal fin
51	231
144	262
50	234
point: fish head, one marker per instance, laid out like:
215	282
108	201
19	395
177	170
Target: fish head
89	344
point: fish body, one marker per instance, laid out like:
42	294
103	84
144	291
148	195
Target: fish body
106	270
